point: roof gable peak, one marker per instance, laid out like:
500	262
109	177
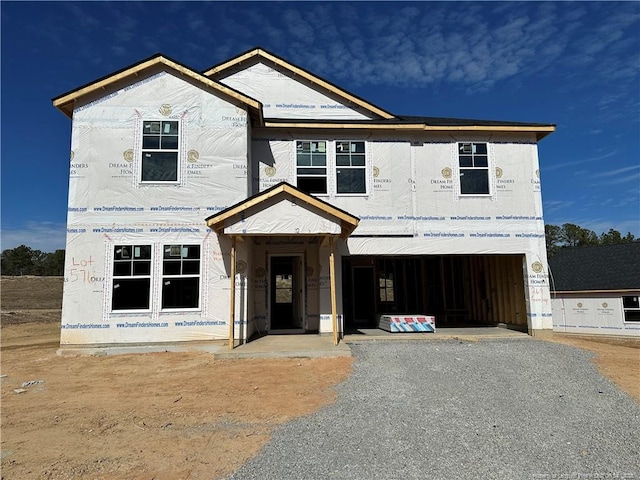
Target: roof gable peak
257	54
67	101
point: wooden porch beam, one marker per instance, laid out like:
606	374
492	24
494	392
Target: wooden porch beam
232	305
332	273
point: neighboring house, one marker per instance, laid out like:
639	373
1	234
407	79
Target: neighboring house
259	192
596	289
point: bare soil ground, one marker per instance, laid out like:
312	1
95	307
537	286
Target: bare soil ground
158	415
162	415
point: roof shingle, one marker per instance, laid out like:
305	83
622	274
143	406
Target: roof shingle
599	267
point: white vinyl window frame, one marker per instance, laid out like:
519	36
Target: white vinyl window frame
349	158
312	166
177	254
631	308
139	263
358	161
473	160
168	145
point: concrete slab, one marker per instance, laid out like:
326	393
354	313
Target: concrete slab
294	346
120	349
287	346
473	334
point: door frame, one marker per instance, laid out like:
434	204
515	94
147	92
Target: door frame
302	294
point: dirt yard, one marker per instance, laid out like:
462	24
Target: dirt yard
151	416
161	415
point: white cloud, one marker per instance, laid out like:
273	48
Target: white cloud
572	163
601	225
622	179
616	172
551	206
43	236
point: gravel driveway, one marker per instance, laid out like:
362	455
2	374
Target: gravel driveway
495	409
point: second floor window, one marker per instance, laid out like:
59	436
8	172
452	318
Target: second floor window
160	151
350	167
311	166
474	168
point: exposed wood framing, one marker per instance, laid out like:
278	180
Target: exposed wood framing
500	283
348	222
332	274
504	298
66	103
476	298
493	288
509	309
516	280
232	305
540	131
507	300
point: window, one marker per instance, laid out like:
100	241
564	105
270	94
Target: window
474	168
350	167
160	151
284	288
181	276
311	165
313	176
131	277
386	287
631	305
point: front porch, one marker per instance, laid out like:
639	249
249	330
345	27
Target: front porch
279	241
321	345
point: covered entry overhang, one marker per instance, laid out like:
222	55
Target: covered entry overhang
283	210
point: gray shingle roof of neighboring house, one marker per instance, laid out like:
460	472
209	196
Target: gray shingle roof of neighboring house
599	267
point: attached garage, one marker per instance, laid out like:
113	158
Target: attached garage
459	290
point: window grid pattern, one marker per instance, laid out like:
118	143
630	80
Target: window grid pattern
160	151
181	277
351	167
131	285
631	306
311	166
473	163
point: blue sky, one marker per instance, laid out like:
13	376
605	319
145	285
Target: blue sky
574	64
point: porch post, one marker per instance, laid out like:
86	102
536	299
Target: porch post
332	273
232	304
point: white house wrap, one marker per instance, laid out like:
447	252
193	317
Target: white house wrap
169	167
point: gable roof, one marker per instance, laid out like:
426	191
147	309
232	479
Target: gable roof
67	101
259	54
596	268
209	79
281	191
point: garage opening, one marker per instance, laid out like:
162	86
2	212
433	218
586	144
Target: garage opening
459	290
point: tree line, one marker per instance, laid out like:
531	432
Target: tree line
23	260
569	235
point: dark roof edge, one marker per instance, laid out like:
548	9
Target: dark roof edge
428	121
105	77
471	121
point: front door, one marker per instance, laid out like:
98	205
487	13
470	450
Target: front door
285	293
